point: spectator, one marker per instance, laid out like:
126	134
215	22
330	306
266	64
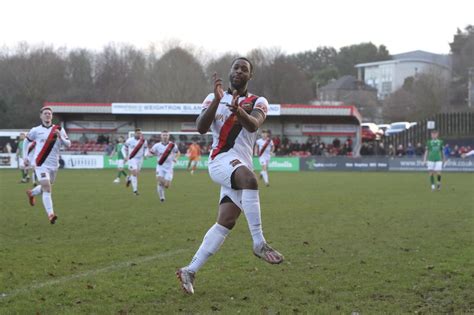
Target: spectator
83	139
391	150
276	142
8	148
419	150
447	150
400	151
109	149
381	150
349	144
455	152
182	148
336	143
410	151
364	150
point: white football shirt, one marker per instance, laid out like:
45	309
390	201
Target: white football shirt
227	133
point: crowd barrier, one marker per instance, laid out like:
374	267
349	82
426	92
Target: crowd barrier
280	164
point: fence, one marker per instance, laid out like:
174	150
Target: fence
449	125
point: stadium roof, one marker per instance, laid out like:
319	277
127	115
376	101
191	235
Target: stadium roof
194	109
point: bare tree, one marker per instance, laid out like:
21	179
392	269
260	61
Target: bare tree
419	98
178	77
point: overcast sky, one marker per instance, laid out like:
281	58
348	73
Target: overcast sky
236	26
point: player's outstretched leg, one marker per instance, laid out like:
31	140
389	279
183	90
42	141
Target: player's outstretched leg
213	240
246	180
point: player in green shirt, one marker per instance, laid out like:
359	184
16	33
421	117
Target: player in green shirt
19	155
118	150
435	155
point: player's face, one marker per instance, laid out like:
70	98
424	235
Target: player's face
120	140
22	136
46	116
138	134
165	137
434	135
239	74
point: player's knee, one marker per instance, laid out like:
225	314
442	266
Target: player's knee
227	222
46	188
250	182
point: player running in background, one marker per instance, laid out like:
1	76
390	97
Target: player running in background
120	157
194	155
435	155
167	153
19	154
49	139
134	150
264	150
234	117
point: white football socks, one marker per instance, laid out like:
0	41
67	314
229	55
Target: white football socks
251	207
161	191
36	191
211	243
265	176
47	202
134	180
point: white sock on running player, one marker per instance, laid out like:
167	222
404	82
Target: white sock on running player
161	191
210	245
251	207
134	180
47	202
265	176
36	191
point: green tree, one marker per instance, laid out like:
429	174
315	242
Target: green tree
349	56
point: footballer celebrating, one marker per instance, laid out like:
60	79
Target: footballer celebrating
167	153
134	151
435	154
48	139
264	149
233	116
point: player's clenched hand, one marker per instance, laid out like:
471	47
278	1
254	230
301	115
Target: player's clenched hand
218	91
57	132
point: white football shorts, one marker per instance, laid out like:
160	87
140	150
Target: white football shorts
46	173
164	172
135	164
435	166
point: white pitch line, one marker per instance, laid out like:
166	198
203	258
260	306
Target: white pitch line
89	273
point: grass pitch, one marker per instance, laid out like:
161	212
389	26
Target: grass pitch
364	242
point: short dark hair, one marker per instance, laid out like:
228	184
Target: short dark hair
243	58
46	108
165	131
137	129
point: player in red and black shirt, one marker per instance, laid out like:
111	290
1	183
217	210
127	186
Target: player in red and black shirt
48	138
233	116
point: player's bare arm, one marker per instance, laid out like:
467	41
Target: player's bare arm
204	120
251	122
